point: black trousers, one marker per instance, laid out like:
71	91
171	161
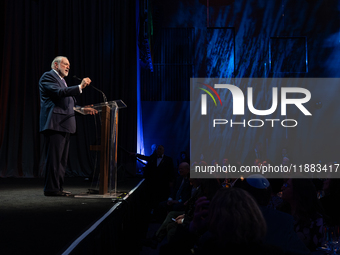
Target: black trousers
56	145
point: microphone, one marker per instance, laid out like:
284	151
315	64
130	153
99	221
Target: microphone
104	97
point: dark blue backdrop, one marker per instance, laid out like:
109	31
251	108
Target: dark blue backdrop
250	39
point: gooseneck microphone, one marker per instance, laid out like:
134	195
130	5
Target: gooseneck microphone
104	97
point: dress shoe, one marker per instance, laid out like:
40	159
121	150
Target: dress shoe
56	194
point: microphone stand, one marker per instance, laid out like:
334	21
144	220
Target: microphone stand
104	97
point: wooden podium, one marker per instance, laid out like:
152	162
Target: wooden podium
109	143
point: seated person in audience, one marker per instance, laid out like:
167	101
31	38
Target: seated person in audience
280	226
177	216
300	200
207	188
330	199
177	231
234	222
181	191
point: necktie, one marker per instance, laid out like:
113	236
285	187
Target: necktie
178	194
64	82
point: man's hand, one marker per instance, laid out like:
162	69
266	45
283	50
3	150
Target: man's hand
85	82
89	110
180	219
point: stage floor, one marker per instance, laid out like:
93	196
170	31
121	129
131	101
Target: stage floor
32	223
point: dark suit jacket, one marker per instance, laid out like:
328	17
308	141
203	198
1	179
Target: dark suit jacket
185	194
56	104
163	172
158	178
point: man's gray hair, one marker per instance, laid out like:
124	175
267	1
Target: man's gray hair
58	60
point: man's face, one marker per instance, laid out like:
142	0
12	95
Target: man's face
160	150
63	67
183	169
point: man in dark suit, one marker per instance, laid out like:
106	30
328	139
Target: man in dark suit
57	122
182	189
159	175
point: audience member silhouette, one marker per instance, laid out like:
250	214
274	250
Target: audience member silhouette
177	232
159	176
182	189
235	224
329	200
181	192
177	215
300	200
280	226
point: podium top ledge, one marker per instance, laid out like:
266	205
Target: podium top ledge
112	104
